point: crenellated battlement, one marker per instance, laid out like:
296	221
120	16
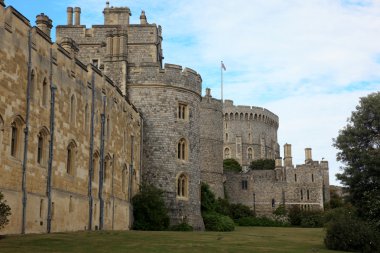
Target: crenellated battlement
171	76
241	112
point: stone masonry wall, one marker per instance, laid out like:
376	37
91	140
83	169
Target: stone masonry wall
70	203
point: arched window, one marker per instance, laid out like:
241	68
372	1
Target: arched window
72	109
95	167
42	147
226	136
182	149
301	194
45	92
231	116
124	177
86	117
182	185
70	163
106	168
226	153
182	111
250	154
16	135
308	194
32	85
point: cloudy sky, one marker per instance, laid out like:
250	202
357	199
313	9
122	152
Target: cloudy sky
307	61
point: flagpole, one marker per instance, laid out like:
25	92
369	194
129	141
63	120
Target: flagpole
221	77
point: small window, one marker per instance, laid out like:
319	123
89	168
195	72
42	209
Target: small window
40	149
71	149
182	186
182	111
273	203
226	153
226	136
72	109
41	208
71	207
45	91
301	194
16	127
244	184
182	149
295	177
312	178
124	179
95	62
308	196
14	141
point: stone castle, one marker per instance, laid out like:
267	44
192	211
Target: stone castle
86	119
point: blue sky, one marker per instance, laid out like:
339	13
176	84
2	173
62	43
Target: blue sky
307	61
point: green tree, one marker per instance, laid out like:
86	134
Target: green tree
359	149
149	209
262	164
5	211
231	165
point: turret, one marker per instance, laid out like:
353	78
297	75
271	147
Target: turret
288	162
44	23
308	157
116	16
143	20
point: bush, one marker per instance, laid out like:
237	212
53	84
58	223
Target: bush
295	215
217	222
312	219
5	211
208	202
239	211
231	165
222	206
149	210
262	164
280	211
182	227
348	233
261	222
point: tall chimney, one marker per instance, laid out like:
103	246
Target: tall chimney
308	157
69	15
208	92
44	23
288	155
77	15
143	20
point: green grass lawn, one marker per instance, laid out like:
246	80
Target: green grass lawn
244	239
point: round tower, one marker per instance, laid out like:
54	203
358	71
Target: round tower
211	141
169	100
250	133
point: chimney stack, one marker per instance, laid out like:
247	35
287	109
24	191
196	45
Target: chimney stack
44	23
77	15
69	15
143	20
308	157
208	92
288	155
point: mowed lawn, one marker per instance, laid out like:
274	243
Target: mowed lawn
243	239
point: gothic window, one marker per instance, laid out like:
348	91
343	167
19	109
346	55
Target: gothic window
312	177
244	184
72	109
45	91
182	111
124	177
182	185
95	166
16	130
226	153
250	154
70	163
86	117
301	194
42	147
226	136
308	195
295	177
182	149
273	203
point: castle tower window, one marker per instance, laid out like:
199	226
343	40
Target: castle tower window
41	147
308	195
226	136
72	109
16	127
45	91
301	194
182	186
41	208
250	154
71	150
95	62
244	184
182	149
95	167
124	177
273	203
182	111
71	208
226	153
295	177
108	127
312	178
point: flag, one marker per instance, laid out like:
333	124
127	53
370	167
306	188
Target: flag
223	67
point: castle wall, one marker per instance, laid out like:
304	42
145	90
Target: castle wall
69	191
267	189
247	128
211	141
